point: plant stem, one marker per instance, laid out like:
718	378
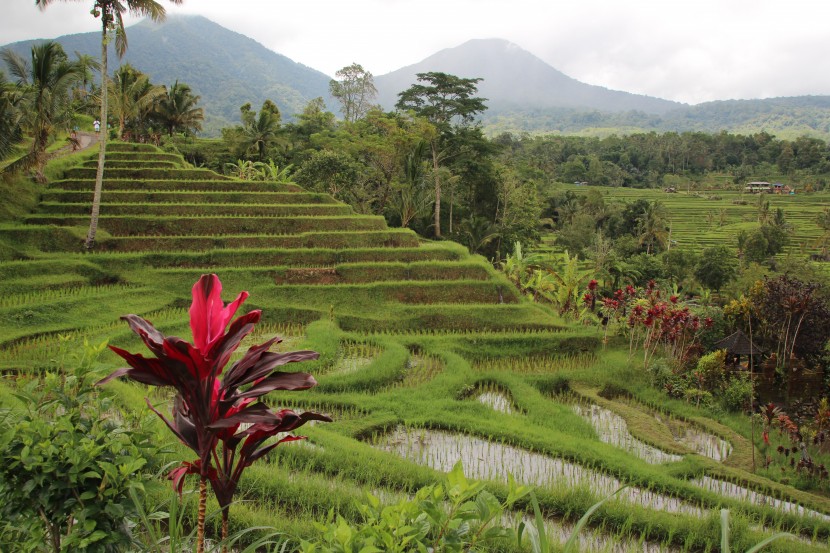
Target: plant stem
225	513
200	527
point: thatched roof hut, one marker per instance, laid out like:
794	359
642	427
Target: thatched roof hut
739	344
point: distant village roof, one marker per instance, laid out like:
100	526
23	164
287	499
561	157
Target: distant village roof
738	344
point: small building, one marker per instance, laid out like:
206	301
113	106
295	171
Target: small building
779	188
758	187
736	345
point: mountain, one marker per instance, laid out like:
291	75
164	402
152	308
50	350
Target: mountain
225	68
514	78
524	94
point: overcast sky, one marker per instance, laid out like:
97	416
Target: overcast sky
685	51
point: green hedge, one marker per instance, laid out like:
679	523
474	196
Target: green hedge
198	196
177	226
201	209
88	174
132	164
131	147
46	238
277	257
177	183
143	156
373	272
458	318
389	238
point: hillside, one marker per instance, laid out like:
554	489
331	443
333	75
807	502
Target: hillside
225	68
310	256
514	78
786	118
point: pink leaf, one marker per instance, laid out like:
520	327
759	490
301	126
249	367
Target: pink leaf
208	315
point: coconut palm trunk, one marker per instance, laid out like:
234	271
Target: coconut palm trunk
102	150
437	178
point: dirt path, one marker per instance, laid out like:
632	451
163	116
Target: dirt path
85	140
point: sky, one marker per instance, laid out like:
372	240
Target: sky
689	52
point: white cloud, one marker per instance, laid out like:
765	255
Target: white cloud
691	52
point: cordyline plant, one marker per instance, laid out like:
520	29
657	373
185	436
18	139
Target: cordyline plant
651	320
220	417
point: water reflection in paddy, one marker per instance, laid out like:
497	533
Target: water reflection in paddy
496	401
745	494
485	460
702	443
612	429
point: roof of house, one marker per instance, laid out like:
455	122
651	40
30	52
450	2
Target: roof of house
738	344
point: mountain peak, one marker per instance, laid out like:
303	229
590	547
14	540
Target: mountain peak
512	77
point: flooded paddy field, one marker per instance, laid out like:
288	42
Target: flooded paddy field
486	460
612	429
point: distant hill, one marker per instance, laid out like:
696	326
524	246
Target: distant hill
783	117
225	68
524	94
514	78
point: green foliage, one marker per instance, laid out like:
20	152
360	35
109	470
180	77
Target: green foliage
737	393
716	267
67	466
459	515
725	536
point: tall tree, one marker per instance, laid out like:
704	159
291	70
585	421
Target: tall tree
355	89
10	115
651	227
448	102
177	110
46	102
132	96
111	13
262	131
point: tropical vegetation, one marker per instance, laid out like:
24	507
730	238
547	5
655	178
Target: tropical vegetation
567	348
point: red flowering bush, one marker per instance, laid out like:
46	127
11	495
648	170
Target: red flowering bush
219	416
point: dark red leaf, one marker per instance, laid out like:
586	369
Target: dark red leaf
146	371
264	450
151	337
183	352
256	413
171	426
224	348
244	371
241	367
279	381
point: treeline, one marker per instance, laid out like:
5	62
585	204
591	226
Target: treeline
785	117
645	159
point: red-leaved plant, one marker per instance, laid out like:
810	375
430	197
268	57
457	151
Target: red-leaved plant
221	419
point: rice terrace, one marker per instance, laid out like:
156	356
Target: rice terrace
396	332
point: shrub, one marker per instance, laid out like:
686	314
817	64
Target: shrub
67	466
737	393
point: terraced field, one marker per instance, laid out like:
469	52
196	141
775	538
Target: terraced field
702	219
427	356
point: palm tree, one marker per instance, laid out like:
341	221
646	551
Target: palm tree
10	115
45	103
131	96
177	110
260	132
651	225
111	13
83	95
